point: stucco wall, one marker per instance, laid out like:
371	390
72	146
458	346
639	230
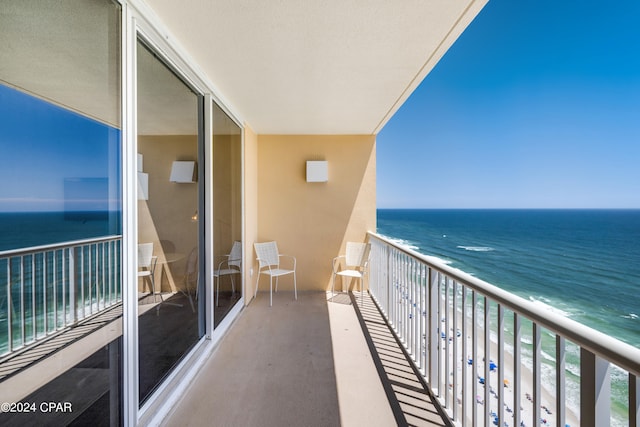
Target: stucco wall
313	221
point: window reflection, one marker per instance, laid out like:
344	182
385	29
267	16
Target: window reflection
60	138
227	213
169	249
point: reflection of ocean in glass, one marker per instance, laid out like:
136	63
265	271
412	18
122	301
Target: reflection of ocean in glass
28	229
52	288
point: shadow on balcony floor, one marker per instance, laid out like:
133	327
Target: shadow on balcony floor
306	363
411	403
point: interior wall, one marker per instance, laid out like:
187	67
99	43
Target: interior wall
167	215
313	221
250	209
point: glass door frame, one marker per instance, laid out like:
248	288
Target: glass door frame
139	22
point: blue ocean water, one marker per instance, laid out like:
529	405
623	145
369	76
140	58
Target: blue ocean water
28	229
584	263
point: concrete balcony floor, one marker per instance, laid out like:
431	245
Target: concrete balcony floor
310	362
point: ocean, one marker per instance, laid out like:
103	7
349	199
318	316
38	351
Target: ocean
584	264
28	229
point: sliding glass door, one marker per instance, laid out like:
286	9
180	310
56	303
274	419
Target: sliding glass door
170	227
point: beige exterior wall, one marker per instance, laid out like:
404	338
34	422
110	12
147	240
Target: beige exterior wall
312	221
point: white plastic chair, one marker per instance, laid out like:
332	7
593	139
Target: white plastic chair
356	262
232	265
269	263
147	262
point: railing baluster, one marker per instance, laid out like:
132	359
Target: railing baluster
634	401
517	363
500	328
447	371
465	352
595	390
560	381
537	350
9	308
22	313
434	336
55	289
34	323
455	351
487	360
474	355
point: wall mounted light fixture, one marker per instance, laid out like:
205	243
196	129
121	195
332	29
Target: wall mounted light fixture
317	171
183	172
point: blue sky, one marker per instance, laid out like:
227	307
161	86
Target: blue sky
536	105
53	159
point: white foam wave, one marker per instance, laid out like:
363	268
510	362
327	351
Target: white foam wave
477	248
540	302
435	259
632	316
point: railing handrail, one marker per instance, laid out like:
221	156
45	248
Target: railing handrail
617	352
60	245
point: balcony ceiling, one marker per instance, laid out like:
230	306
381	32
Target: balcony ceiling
305	67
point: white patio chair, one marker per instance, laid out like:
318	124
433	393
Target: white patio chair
147	264
231	266
269	263
356	263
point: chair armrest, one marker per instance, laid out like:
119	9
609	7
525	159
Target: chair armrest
290	257
336	259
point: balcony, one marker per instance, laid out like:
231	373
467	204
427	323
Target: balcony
314	361
402	358
412	352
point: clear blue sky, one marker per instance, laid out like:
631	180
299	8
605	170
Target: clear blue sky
53	159
536	105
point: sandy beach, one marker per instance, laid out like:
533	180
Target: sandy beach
476	373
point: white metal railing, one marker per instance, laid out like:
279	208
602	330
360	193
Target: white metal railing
46	289
464	334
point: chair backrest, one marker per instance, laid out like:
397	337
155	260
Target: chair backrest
192	262
235	257
145	254
357	254
267	253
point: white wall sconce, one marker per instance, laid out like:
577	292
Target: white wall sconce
143	181
143	186
183	172
317	171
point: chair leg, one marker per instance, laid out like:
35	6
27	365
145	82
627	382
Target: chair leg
257	281
333	285
153	288
295	289
271	290
217	291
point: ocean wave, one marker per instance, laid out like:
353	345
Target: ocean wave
632	316
477	248
543	303
402	242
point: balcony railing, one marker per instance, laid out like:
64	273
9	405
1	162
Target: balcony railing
482	349
46	289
